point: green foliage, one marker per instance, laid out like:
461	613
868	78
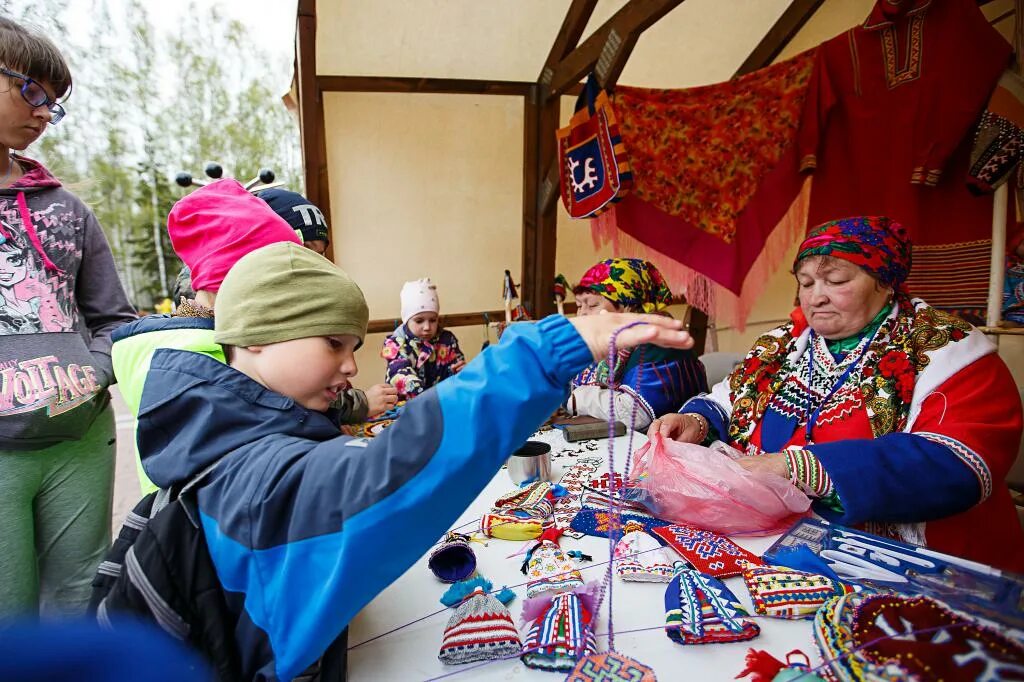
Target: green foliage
149	101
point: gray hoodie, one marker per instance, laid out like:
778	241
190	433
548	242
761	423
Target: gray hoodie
60	298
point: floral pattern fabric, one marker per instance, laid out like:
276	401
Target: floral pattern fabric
700	154
632	283
878	245
414	365
774	373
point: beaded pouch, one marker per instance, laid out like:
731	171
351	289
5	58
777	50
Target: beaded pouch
521	514
700	609
786	593
453	559
707	551
893	637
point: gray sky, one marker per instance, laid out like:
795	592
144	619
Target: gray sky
270	23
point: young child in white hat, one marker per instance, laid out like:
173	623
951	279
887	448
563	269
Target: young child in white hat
420	353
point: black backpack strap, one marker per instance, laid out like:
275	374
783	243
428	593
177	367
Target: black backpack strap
113	562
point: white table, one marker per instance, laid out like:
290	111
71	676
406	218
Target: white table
411	652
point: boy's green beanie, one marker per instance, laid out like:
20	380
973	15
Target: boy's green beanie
285	291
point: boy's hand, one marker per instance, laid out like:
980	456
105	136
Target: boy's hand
597	331
380	398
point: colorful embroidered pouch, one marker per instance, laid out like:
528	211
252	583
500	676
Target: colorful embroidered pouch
707	551
787	593
700	609
593	169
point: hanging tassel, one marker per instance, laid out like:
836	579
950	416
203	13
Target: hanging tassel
459	592
505	596
762	665
529	553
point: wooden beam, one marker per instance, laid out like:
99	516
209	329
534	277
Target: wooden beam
779	35
604	47
1005	15
540	120
568	37
530	279
311	113
386	326
457	86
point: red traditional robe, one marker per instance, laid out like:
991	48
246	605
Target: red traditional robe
887	127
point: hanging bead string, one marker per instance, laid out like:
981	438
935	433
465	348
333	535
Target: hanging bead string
614	504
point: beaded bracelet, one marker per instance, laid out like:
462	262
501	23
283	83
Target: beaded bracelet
702	423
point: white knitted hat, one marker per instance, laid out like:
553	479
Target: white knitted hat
417	297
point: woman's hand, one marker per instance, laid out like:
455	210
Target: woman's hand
597	331
773	463
457	367
380	398
685	428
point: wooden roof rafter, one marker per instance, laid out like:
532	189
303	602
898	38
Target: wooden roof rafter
608	47
779	35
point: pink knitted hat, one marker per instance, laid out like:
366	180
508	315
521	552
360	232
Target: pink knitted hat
214	226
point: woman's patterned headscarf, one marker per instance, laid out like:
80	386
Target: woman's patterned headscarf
630	282
879	245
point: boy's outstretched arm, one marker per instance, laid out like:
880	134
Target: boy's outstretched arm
360	513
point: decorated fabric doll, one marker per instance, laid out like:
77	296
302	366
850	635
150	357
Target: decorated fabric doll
548	568
481	628
560	629
640	558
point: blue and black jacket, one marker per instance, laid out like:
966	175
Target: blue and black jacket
292	510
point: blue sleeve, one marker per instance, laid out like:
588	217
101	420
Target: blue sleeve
333	526
718	420
898	478
664	386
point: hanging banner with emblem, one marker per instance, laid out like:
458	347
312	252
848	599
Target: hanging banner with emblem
593	169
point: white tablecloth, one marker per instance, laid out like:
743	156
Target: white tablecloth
410	653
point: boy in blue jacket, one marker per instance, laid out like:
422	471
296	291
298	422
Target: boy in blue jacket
291	511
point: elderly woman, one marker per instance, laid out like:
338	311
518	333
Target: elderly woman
649	379
893	415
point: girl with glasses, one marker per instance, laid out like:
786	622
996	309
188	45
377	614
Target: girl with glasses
60	299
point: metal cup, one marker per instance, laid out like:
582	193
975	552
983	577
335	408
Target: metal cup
530	463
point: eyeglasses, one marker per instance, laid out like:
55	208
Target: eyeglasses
34	93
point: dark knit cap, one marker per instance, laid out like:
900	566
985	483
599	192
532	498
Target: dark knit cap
299	212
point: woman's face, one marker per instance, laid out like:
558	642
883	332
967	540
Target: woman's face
591	304
838	298
12	268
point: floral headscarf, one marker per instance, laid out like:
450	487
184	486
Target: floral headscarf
879	245
630	282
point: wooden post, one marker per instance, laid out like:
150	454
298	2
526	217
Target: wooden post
997	262
311	114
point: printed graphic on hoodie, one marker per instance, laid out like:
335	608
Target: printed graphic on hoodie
35	300
32	299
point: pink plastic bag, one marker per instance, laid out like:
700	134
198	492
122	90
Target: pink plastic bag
701	487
